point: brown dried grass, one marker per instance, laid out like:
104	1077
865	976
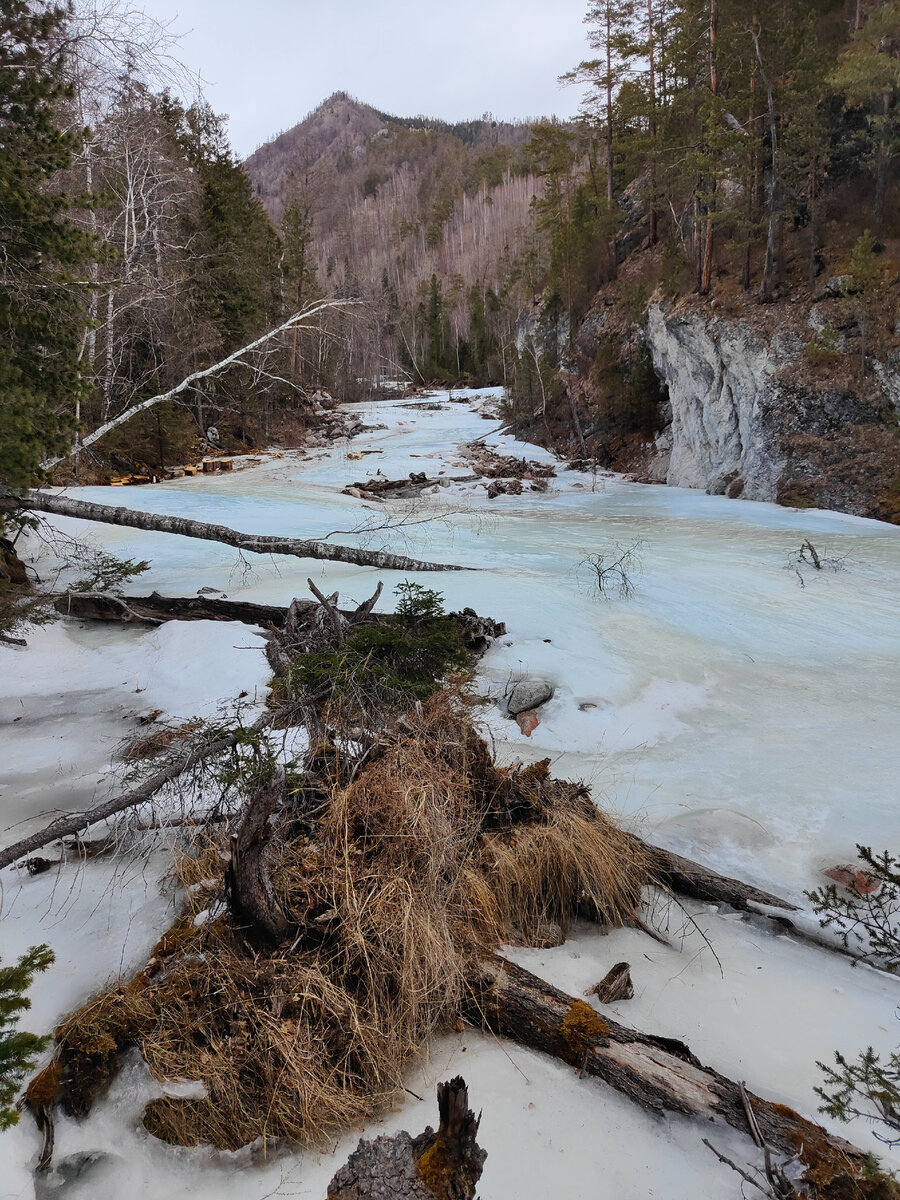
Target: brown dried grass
429	859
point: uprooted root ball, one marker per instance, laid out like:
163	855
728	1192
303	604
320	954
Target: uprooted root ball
430	858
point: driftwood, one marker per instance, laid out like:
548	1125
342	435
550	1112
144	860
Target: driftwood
660	1074
616	985
433	1166
85	510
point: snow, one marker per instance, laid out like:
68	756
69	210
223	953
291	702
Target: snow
724	710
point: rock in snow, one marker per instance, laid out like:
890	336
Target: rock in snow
528	722
530	693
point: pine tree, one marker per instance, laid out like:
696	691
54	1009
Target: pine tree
41	315
868	77
18	1050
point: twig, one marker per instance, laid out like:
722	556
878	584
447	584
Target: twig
728	1163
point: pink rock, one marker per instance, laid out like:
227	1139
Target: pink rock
528	721
849	877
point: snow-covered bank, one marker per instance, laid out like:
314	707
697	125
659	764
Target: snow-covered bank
725	709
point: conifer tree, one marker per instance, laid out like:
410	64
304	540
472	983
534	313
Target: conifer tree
40	293
18	1050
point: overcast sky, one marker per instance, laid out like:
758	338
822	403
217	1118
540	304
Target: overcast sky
267	63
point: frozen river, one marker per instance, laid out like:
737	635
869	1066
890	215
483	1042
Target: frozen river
729	709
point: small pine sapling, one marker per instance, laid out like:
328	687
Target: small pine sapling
866	913
866	916
867	1088
18	1049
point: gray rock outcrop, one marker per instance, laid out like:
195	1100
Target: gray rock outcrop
722	397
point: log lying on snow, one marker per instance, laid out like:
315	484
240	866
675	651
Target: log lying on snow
660	1074
688	878
155	609
433	1166
85	510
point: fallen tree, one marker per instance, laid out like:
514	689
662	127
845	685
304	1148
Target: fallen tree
296	629
156	609
360	919
85	510
294	322
662	1075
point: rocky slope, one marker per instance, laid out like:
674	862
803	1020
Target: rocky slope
757	408
764	402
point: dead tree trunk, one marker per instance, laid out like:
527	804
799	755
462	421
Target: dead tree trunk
155	609
248	888
660	1074
689	878
433	1166
64	506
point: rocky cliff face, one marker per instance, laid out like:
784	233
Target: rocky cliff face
752	414
723	402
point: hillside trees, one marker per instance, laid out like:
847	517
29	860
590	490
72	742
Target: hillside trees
867	75
721	121
42	282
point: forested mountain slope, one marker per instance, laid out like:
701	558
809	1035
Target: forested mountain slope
430	222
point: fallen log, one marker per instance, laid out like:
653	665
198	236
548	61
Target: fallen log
154	609
660	1074
86	510
72	823
433	1166
295	619
689	878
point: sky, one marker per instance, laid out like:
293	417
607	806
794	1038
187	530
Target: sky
267	63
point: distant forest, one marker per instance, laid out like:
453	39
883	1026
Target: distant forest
722	149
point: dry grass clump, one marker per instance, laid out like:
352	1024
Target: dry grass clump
430	858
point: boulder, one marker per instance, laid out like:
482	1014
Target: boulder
840	285
528	694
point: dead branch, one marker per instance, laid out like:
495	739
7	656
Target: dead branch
329	607
72	823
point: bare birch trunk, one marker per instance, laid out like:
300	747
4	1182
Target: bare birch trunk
64	506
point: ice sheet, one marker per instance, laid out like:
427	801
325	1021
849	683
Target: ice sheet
725	710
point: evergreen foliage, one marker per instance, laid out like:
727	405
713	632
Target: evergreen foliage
866	917
41	292
18	1049
386	665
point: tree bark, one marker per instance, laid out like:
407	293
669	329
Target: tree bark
660	1074
248	888
85	510
433	1166
689	878
155	609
